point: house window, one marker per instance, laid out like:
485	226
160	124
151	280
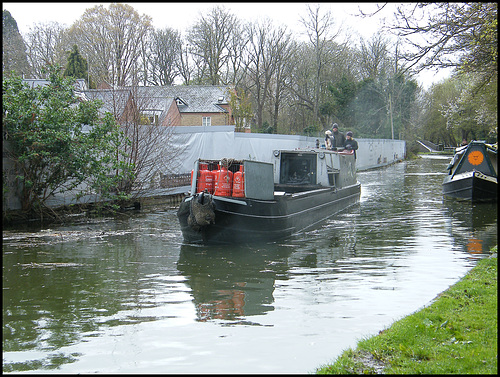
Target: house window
206	121
148	118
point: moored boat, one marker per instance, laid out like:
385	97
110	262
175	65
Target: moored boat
472	173
271	200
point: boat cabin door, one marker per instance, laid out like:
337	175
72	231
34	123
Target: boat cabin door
298	168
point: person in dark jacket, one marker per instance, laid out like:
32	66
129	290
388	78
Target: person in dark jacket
350	143
338	138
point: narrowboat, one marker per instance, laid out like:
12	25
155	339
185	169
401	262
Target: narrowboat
248	201
472	173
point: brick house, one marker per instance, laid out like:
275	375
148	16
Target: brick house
192	105
199	106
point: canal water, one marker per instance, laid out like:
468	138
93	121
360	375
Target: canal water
126	295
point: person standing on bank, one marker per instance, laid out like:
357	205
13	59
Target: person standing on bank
338	138
350	144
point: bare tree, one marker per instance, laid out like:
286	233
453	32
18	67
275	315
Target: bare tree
45	47
441	35
237	60
151	151
90	34
261	64
165	53
283	51
320	32
210	39
373	57
302	87
110	39
184	65
460	36
147	145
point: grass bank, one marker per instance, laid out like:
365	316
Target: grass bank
456	334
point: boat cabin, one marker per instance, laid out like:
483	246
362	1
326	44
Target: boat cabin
291	171
475	156
301	170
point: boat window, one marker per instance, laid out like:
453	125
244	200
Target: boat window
298	169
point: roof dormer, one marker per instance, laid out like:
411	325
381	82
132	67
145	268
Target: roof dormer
180	101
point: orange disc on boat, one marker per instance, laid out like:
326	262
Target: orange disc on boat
475	157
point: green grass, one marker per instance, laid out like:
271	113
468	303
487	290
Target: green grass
456	334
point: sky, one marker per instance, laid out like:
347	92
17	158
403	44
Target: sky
181	16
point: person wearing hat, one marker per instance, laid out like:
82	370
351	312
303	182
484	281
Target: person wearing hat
350	144
338	137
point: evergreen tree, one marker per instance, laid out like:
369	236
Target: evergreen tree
14	56
77	65
343	94
58	142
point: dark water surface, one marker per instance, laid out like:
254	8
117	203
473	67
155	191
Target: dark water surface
127	296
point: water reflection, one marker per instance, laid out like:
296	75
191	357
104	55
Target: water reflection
126	295
474	224
66	284
232	282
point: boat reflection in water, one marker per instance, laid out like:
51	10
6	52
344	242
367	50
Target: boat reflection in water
473	222
232	283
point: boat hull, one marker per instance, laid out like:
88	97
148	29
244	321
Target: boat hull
474	186
249	220
472	173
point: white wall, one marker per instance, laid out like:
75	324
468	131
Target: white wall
217	143
222	142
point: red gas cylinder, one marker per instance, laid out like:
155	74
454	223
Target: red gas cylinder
223	182
205	179
214	177
239	183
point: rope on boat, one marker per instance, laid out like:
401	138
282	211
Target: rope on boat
202	211
228	162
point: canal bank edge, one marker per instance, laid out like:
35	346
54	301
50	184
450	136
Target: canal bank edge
456	334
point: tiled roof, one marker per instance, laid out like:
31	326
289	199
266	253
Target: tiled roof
114	101
193	98
80	84
202	99
196	98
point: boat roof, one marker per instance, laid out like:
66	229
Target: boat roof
491	147
477	155
310	150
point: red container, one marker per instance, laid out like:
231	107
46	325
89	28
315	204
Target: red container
239	183
223	182
205	180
